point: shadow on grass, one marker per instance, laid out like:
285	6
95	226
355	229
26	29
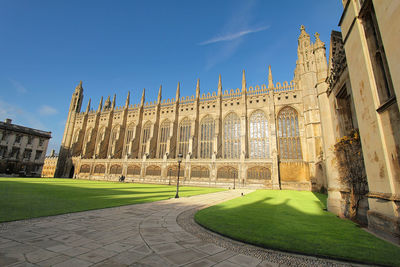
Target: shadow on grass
296	222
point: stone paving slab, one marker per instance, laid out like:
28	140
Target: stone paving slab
136	235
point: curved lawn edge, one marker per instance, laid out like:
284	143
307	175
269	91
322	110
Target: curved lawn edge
244	219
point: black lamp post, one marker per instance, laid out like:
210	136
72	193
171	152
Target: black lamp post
179	170
234	179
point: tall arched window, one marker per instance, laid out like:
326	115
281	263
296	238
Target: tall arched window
259	138
163	139
232	136
207	128
88	139
288	134
100	138
184	135
129	138
113	141
145	138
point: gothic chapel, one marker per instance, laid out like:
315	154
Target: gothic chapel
262	136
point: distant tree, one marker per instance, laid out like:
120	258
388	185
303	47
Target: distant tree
351	168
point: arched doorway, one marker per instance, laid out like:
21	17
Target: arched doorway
71	172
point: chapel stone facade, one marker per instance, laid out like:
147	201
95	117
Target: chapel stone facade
261	136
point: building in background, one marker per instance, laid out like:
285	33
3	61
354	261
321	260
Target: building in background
49	166
266	135
361	93
22	149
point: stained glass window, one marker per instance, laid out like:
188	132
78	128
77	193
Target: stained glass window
231	136
207	128
259	138
288	134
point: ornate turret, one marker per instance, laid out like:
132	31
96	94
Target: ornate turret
270	82
127	99
178	89
219	86
198	88
243	82
100	104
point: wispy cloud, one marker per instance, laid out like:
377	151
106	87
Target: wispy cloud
18	86
19	115
47	110
239	24
233	36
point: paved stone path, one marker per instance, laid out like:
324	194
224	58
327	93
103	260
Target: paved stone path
135	235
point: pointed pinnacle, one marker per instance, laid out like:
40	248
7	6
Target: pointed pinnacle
100	104
219	85
127	99
178	89
243	82
88	106
142	100
159	94
198	88
270	81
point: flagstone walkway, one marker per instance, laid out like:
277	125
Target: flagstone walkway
135	235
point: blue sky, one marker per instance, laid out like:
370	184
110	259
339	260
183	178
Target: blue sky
47	47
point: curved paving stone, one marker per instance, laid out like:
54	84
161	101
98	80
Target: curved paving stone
136	235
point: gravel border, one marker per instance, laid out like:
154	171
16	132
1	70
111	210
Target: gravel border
187	222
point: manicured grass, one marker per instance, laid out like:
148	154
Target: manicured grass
23	198
296	221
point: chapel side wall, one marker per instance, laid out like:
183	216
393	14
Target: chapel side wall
379	129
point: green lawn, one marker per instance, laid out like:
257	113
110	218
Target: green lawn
23	198
296	221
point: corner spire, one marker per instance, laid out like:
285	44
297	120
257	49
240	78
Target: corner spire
198	88
219	86
270	82
100	104
178	89
79	87
142	100
88	106
159	95
128	97
243	82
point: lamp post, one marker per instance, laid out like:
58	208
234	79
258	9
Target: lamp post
179	170
234	179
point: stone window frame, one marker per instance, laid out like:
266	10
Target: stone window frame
227	172
185	127
206	132
288	134
258	135
129	136
199	172
165	127
85	168
259	173
145	136
153	170
133	170
116	169
231	136
380	66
